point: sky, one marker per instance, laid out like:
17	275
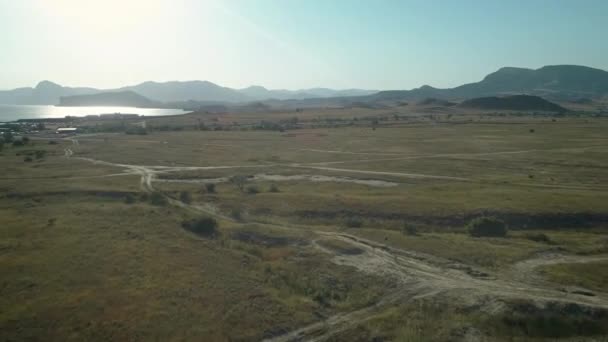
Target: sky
293	44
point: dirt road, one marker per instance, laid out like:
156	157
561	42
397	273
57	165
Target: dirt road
418	275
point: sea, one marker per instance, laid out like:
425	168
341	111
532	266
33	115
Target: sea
15	112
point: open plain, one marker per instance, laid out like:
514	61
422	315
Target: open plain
349	225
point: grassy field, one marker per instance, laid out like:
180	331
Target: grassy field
360	229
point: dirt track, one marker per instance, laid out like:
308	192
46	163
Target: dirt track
418	275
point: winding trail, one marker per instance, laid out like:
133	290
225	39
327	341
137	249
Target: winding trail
417	275
420	276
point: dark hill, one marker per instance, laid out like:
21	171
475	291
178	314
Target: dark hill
560	82
515	102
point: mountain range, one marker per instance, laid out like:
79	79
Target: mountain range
558	82
49	93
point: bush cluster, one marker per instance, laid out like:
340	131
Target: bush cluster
487	227
206	226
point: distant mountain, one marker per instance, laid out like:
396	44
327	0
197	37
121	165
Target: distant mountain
120	98
514	102
261	93
184	91
48	93
45	92
560	82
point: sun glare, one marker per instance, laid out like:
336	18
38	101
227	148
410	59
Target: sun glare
103	18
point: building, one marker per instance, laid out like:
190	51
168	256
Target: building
67	130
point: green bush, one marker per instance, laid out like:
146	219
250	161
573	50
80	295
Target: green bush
206	226
487	227
409	229
353	222
237	214
210	187
273	188
185	197
252	190
156	198
40	154
129	199
239	181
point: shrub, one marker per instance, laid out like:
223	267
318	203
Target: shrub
52	142
144	197
353	222
206	226
487	227
156	198
28	159
210	187
538	237
185	197
532	130
129	199
409	229
17	143
40	154
25	140
239	181
273	188
237	214
252	190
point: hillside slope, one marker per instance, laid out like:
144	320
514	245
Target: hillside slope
515	102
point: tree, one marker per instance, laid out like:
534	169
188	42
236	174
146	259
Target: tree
487	227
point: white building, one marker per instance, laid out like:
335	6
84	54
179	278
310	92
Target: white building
67	130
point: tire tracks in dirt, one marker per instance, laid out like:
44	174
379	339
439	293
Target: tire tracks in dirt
417	274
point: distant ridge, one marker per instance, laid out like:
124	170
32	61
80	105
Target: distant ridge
556	82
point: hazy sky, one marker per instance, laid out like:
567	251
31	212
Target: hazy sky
293	43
